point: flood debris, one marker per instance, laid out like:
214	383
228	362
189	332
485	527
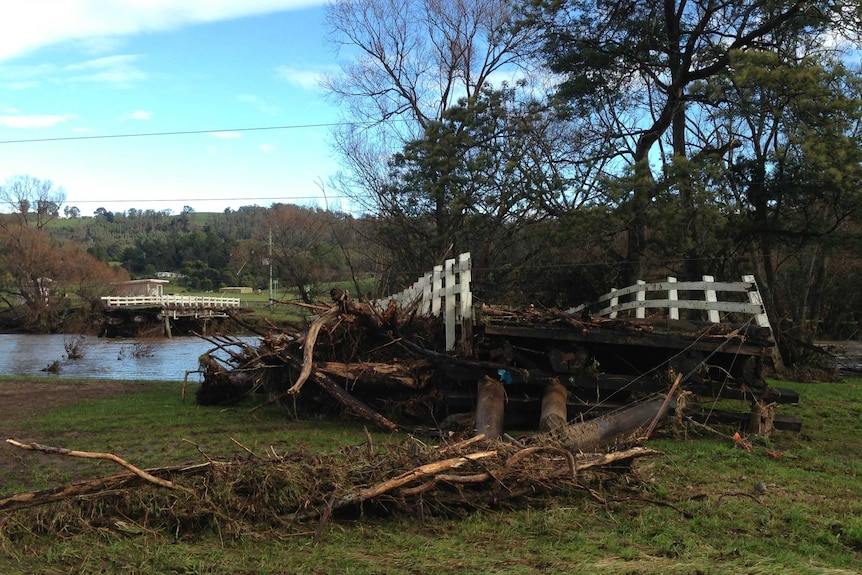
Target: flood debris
512	370
299	490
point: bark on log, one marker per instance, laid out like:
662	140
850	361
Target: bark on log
490	403
381	374
554	413
602	432
348	400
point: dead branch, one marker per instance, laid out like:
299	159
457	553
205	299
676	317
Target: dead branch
352	403
364	494
90	487
308	348
93	455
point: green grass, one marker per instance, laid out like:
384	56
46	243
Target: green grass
692	510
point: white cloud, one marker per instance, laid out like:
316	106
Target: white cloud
32	121
258	104
266	148
307	79
119	69
28	25
137	115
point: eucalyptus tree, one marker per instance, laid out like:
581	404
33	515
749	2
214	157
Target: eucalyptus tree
796	181
632	69
494	166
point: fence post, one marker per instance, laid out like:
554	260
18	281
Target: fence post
614	301
711	297
640	296
425	289
754	297
465	277
672	295
436	290
449	294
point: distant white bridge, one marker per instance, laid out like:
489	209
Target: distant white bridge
171	302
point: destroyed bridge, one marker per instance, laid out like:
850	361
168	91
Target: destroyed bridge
429	359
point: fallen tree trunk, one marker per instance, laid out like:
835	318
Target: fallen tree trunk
352	403
602	432
379	374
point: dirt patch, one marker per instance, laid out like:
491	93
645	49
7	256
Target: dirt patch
25	399
22	400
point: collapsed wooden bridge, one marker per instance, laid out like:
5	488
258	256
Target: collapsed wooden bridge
428	359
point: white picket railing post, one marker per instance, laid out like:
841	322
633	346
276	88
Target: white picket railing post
640	297
465	277
672	295
755	298
711	297
436	290
427	291
614	301
449	296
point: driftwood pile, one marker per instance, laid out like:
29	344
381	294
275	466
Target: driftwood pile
298	493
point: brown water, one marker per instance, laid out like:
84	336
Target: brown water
105	358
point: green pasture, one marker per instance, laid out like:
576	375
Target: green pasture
793	504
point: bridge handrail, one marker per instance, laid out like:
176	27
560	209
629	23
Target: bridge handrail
171	301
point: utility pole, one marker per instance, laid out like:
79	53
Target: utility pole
271	295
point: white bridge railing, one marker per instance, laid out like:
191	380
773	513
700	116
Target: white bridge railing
665	296
172	301
445	290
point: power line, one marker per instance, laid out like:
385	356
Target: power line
176	133
151	200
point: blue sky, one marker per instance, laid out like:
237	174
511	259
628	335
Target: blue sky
75	71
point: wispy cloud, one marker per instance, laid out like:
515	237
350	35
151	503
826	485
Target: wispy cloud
266	148
307	79
119	69
258	104
32	120
139	115
31	27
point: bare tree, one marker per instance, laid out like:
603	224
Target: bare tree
407	61
34	202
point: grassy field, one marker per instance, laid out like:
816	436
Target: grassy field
793	504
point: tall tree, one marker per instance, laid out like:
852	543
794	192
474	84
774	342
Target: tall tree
630	67
303	251
797	178
407	62
494	165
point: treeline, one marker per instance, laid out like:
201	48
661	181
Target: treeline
209	251
549	262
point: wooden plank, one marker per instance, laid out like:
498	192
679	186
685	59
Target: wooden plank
711	297
641	339
640	299
718	306
672	296
450	289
